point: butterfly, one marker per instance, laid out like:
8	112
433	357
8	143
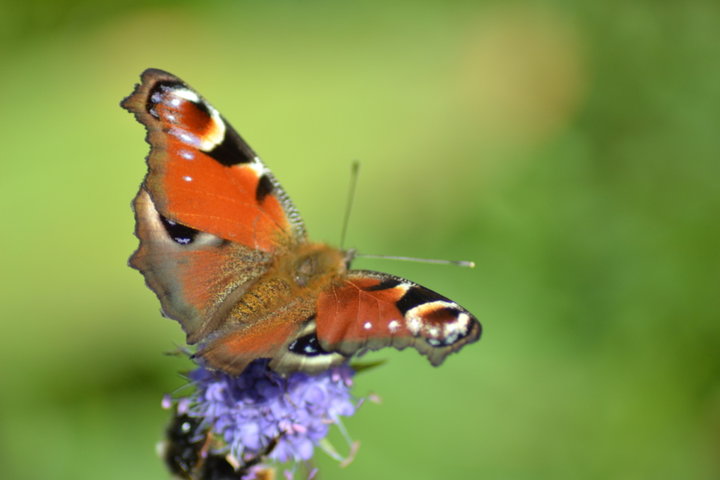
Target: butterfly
226	252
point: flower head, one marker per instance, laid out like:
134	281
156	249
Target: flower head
263	414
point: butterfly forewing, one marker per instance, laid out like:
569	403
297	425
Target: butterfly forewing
203	175
371	310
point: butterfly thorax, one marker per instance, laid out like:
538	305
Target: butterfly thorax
290	285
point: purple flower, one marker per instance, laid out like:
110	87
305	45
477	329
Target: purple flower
262	414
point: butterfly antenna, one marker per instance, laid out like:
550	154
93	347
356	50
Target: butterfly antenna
354	169
459	263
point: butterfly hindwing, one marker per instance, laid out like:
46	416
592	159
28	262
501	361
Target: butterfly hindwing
371	310
291	349
197	276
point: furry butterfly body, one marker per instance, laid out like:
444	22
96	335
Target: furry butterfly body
226	252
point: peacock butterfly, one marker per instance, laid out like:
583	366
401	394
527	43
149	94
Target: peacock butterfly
226	252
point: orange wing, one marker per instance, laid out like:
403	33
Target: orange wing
202	174
210	216
371	310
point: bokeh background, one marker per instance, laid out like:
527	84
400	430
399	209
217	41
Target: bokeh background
571	149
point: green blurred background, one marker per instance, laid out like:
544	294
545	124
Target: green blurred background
570	148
